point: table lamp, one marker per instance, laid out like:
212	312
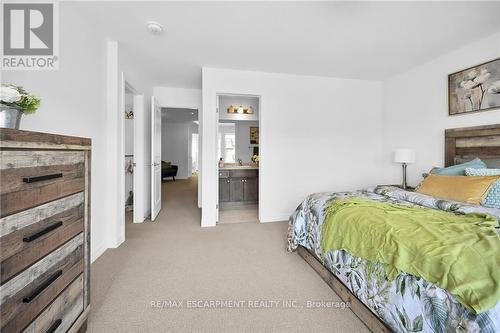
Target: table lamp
404	156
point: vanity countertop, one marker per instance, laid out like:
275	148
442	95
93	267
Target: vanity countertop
239	167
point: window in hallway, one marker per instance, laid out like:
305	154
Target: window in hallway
194	153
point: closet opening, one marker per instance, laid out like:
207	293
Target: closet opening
128	144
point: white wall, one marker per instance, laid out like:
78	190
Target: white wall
73	103
416	108
178	97
183	98
316	134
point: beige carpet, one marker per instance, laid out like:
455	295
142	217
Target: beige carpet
239	214
173	259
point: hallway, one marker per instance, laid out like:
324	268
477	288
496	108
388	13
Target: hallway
174	259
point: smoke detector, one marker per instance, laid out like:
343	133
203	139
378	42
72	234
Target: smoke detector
154	28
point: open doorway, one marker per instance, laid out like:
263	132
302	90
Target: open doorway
238	155
179	144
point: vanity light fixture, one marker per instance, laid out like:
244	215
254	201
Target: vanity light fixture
240	110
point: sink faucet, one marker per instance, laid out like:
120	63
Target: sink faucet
240	162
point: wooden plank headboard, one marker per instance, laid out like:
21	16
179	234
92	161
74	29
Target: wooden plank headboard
470	142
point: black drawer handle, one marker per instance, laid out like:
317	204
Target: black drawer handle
34	179
42	232
54	326
42	287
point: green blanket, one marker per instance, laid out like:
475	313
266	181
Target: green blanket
458	253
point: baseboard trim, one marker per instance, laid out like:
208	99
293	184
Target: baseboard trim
147	214
97	253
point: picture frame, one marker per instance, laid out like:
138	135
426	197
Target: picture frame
474	89
254	135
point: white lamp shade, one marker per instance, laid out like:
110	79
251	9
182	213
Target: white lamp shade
404	155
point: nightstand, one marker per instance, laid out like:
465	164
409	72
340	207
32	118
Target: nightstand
408	188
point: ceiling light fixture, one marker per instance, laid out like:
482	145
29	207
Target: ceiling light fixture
154	28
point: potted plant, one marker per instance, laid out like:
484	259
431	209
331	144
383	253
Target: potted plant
14	102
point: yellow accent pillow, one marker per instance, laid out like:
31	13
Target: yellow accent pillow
458	188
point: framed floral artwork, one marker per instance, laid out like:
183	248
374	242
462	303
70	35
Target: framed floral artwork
254	135
474	89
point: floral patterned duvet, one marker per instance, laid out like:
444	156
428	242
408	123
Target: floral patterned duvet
408	303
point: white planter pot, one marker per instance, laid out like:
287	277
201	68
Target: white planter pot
10	117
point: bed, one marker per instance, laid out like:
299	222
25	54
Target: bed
405	303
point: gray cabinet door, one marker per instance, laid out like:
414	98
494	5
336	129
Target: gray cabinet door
236	189
224	189
251	189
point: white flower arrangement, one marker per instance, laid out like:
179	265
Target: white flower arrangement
9	94
15	96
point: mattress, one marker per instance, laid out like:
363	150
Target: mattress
406	303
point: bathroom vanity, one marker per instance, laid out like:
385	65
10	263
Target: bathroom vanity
238	184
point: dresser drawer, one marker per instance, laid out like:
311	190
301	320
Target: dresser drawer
28	236
29	178
62	312
24	296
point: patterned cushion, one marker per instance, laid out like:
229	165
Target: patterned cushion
492	199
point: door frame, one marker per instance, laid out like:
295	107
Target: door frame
138	106
217	113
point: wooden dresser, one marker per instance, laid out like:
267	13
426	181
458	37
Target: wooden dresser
44	232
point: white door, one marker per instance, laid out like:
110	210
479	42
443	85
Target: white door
155	159
140	160
217	159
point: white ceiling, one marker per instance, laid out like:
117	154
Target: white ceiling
361	40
